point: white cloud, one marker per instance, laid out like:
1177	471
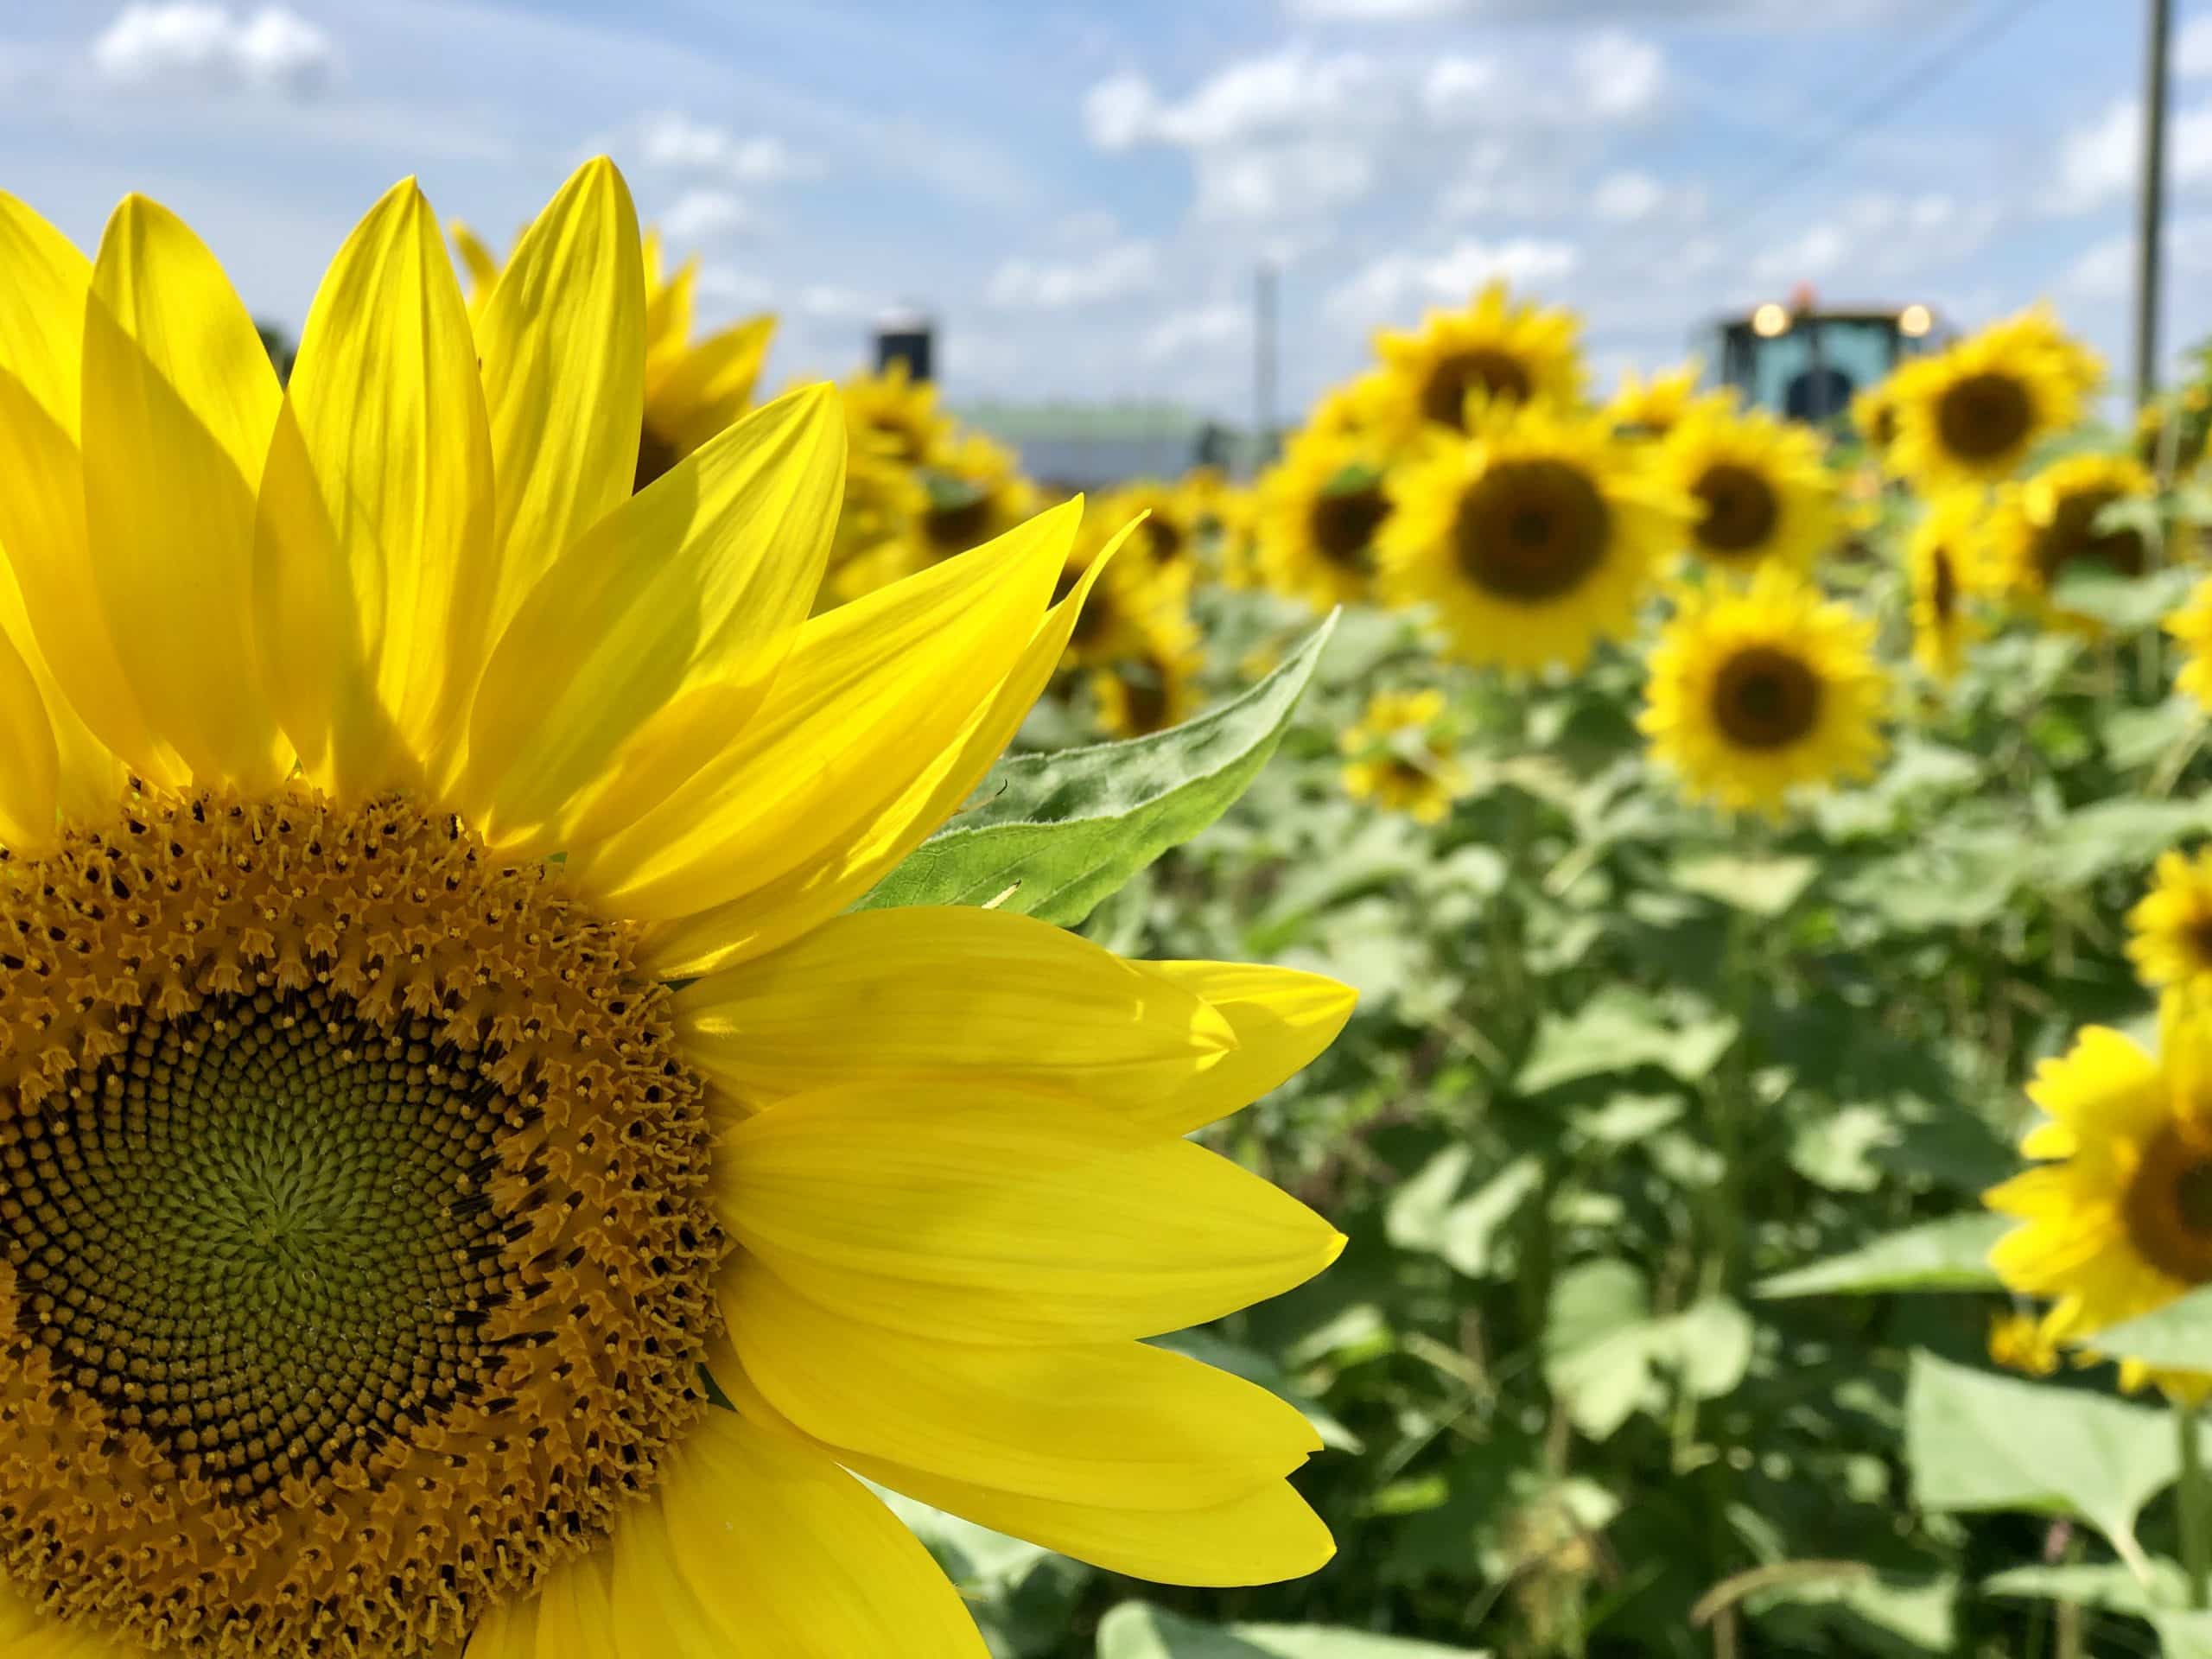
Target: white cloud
1620	75
1119	112
1882	235
1290	91
1114	273
1303	180
674	140
1209	328
1501	180
1376	11
738	290
185	45
1628	198
1456	86
2098	162
832	303
2105	270
1613	76
704	216
2193	49
1396	282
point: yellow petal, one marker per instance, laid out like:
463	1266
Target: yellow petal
483	267
858	855
30	764
180	402
571	1617
1264	1536
1282	1018
370	568
948	992
974	1214
656	636
562	338
1121	1424
60	629
873	694
709	385
668	314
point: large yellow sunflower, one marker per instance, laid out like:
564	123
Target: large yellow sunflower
1534	538
894	417
2117	1221
1321	509
1947	563
1970	415
2046	526
1167	543
1399	755
1760	488
2170	930
2191	625
1503	350
1363	403
1154	685
1759	688
1653	408
976	493
385	1243
693	389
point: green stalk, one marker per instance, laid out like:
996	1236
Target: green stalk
2196	1515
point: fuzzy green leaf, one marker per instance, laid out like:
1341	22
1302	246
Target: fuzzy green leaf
1948	1255
1136	1630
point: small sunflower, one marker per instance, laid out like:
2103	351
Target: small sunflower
2046	526
1534	537
1874	416
2170	930
894	417
1400	756
2191	625
471	1185
1122	601
1155	686
1166	544
1759	688
692	390
1363	403
2117	1219
1508	352
2019	1343
976	493
1651	409
1760	488
1971	413
1321	509
1946	562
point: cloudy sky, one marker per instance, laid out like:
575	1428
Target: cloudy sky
1080	193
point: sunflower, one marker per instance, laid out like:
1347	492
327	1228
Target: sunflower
1759	486
1400	756
1155	686
1166	544
1119	604
395	1264
1760	688
1534	537
1652	408
2192	424
692	390
1946	559
2191	625
1363	403
2018	1343
2047	525
2117	1219
1874	416
2170	930
976	493
1509	353
894	417
1970	415
1320	508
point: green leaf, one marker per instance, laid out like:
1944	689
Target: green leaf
2116	835
1137	1631
2123	603
1976	1442
1064	831
1760	886
2178	1335
1428	1214
1948	1255
1603	1350
2105	1585
1619	1030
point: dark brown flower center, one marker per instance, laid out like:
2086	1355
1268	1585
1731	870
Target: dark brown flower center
1501	374
1741	509
2168	1207
1531	530
1765	698
1984	417
1343	523
2072	537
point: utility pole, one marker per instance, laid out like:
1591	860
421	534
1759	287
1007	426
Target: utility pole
2152	204
1263	364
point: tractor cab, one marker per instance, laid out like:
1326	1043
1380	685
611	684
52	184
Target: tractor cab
1805	362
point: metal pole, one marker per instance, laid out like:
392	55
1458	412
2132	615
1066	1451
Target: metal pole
1263	365
2150	206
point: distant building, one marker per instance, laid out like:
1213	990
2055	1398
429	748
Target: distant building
1094	446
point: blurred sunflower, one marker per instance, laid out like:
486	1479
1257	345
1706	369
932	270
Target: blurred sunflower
893	417
1652	408
1874	416
1167	543
1155	686
2170	930
1363	403
2047	525
2018	1343
1120	603
1761	492
1400	756
494	1225
874	542
1508	352
976	493
2191	625
2191	420
1758	689
692	390
1320	507
1947	562
1970	415
2119	1221
1534	537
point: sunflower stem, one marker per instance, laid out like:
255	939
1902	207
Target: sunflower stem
2196	1518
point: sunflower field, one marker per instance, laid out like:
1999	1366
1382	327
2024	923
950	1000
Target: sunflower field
1774	1140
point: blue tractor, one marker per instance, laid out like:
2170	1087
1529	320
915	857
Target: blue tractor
1807	362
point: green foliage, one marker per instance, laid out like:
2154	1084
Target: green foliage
1132	1631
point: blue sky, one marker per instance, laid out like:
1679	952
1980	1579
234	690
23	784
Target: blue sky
1080	193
